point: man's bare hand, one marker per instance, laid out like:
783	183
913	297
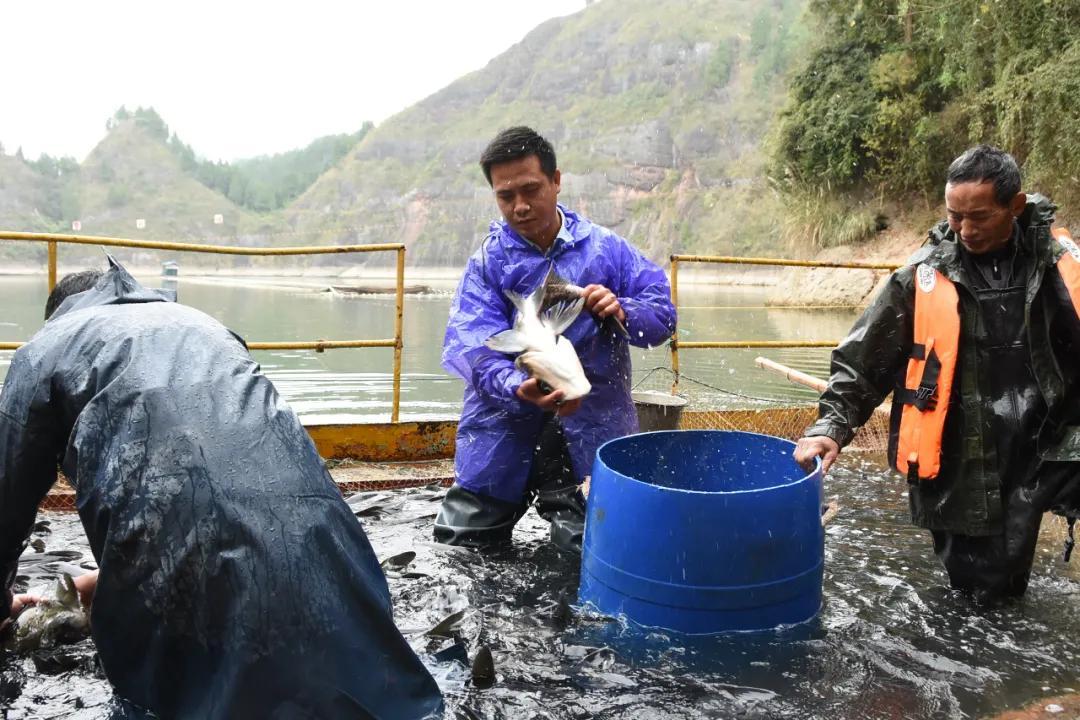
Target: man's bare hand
85	585
820	446
18	604
530	391
601	302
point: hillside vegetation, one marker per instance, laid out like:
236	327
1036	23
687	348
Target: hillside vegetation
657	108
141	171
897	88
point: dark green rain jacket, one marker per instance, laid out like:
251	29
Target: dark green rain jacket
235	581
966	497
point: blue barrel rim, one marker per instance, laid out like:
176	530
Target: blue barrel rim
804	478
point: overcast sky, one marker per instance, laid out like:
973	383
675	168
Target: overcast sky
237	79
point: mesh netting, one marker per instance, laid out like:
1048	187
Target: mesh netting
710	407
61	497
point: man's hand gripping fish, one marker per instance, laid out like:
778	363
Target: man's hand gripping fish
545	354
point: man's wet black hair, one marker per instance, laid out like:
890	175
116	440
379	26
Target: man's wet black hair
986	163
515	143
72	284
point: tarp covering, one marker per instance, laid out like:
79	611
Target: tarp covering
235	582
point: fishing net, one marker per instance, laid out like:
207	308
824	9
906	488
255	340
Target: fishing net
711	407
61	496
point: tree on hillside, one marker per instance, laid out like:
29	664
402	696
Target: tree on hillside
897	88
149	120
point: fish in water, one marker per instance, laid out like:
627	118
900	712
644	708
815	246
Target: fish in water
558	289
399	561
448	625
544	353
483	668
58	617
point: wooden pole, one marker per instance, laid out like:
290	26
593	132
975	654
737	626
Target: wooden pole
795	376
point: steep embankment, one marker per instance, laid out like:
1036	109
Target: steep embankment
657	109
828	286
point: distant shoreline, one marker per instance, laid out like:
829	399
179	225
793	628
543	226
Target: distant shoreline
323	278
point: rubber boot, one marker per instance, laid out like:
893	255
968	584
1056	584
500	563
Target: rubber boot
564	507
474	520
558	497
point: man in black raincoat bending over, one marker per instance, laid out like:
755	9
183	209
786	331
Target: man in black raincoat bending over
234	581
978	338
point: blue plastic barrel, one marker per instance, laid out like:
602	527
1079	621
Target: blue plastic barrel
703	531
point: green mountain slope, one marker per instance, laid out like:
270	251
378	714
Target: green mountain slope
657	109
132	175
30	201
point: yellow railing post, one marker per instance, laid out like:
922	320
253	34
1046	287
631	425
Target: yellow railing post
52	265
742	344
399	311
675	337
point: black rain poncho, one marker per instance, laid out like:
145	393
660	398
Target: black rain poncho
234	581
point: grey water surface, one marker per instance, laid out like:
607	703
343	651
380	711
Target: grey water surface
891	641
356	384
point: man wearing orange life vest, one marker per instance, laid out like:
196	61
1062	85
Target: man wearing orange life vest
978	337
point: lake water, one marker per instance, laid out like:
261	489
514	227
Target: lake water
356	385
891	642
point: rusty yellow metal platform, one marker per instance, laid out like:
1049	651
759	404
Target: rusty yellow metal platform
383	456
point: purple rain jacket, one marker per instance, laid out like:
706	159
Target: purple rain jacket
498	431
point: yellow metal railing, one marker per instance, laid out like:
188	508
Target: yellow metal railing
52	240
676	344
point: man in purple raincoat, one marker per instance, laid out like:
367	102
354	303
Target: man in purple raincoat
518	442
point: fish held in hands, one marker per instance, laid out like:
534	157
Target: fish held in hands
57	617
537	335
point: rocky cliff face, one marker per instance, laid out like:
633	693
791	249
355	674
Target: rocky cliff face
656	109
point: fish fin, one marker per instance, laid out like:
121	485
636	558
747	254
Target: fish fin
561	315
536	297
557	288
614	326
552	277
518	301
555	279
507	341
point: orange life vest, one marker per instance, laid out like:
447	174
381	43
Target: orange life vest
1069	265
932	366
928	384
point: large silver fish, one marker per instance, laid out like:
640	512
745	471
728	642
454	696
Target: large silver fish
537	335
57	618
